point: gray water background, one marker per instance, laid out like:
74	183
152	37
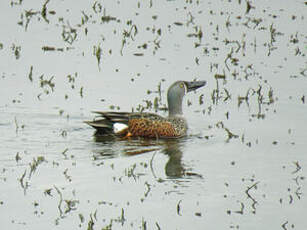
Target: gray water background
243	163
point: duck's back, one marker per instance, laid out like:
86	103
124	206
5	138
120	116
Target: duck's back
155	126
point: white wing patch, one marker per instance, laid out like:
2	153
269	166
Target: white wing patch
118	127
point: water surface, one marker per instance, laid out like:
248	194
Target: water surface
242	165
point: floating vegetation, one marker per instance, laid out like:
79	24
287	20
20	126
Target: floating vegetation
72	79
107	18
98	54
273	35
198	33
16	50
51	48
30	76
252	56
69	34
16	3
26	17
17	126
65	206
138	54
44	11
128	34
178	23
81	92
229	133
35	163
97	7
17	157
46	85
24	184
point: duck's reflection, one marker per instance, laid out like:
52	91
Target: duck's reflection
174	167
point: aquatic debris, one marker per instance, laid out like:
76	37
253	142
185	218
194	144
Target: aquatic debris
294	38
84	20
247	192
248	7
28	14
144	224
16	125
148	188
64	153
98	54
138	54
69	34
24	184
241	209
230	135
17	157
237	43
129	33
70	205
244	98
216	94
51	48
178	208
228	24
233	61
45	84
66	175
35	163
198	214
65	206
178	23
31	74
72	79
81	92
91	223
198	33
97	7
16	3
273	34
81	217
48	192
60	201
284	225
107	18
16	50
44	11
298	167
130	172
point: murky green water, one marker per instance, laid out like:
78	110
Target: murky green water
243	164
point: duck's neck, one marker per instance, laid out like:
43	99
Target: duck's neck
174	106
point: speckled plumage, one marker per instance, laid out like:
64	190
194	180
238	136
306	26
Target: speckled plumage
150	125
156	126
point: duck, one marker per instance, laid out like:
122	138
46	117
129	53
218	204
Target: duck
149	125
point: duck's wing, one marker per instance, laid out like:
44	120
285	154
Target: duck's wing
118	122
101	125
115	117
150	116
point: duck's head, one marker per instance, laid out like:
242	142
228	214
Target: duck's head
176	92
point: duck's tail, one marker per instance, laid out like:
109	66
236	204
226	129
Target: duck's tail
107	123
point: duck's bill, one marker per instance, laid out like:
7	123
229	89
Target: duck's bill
193	85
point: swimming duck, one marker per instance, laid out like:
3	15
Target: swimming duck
127	124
